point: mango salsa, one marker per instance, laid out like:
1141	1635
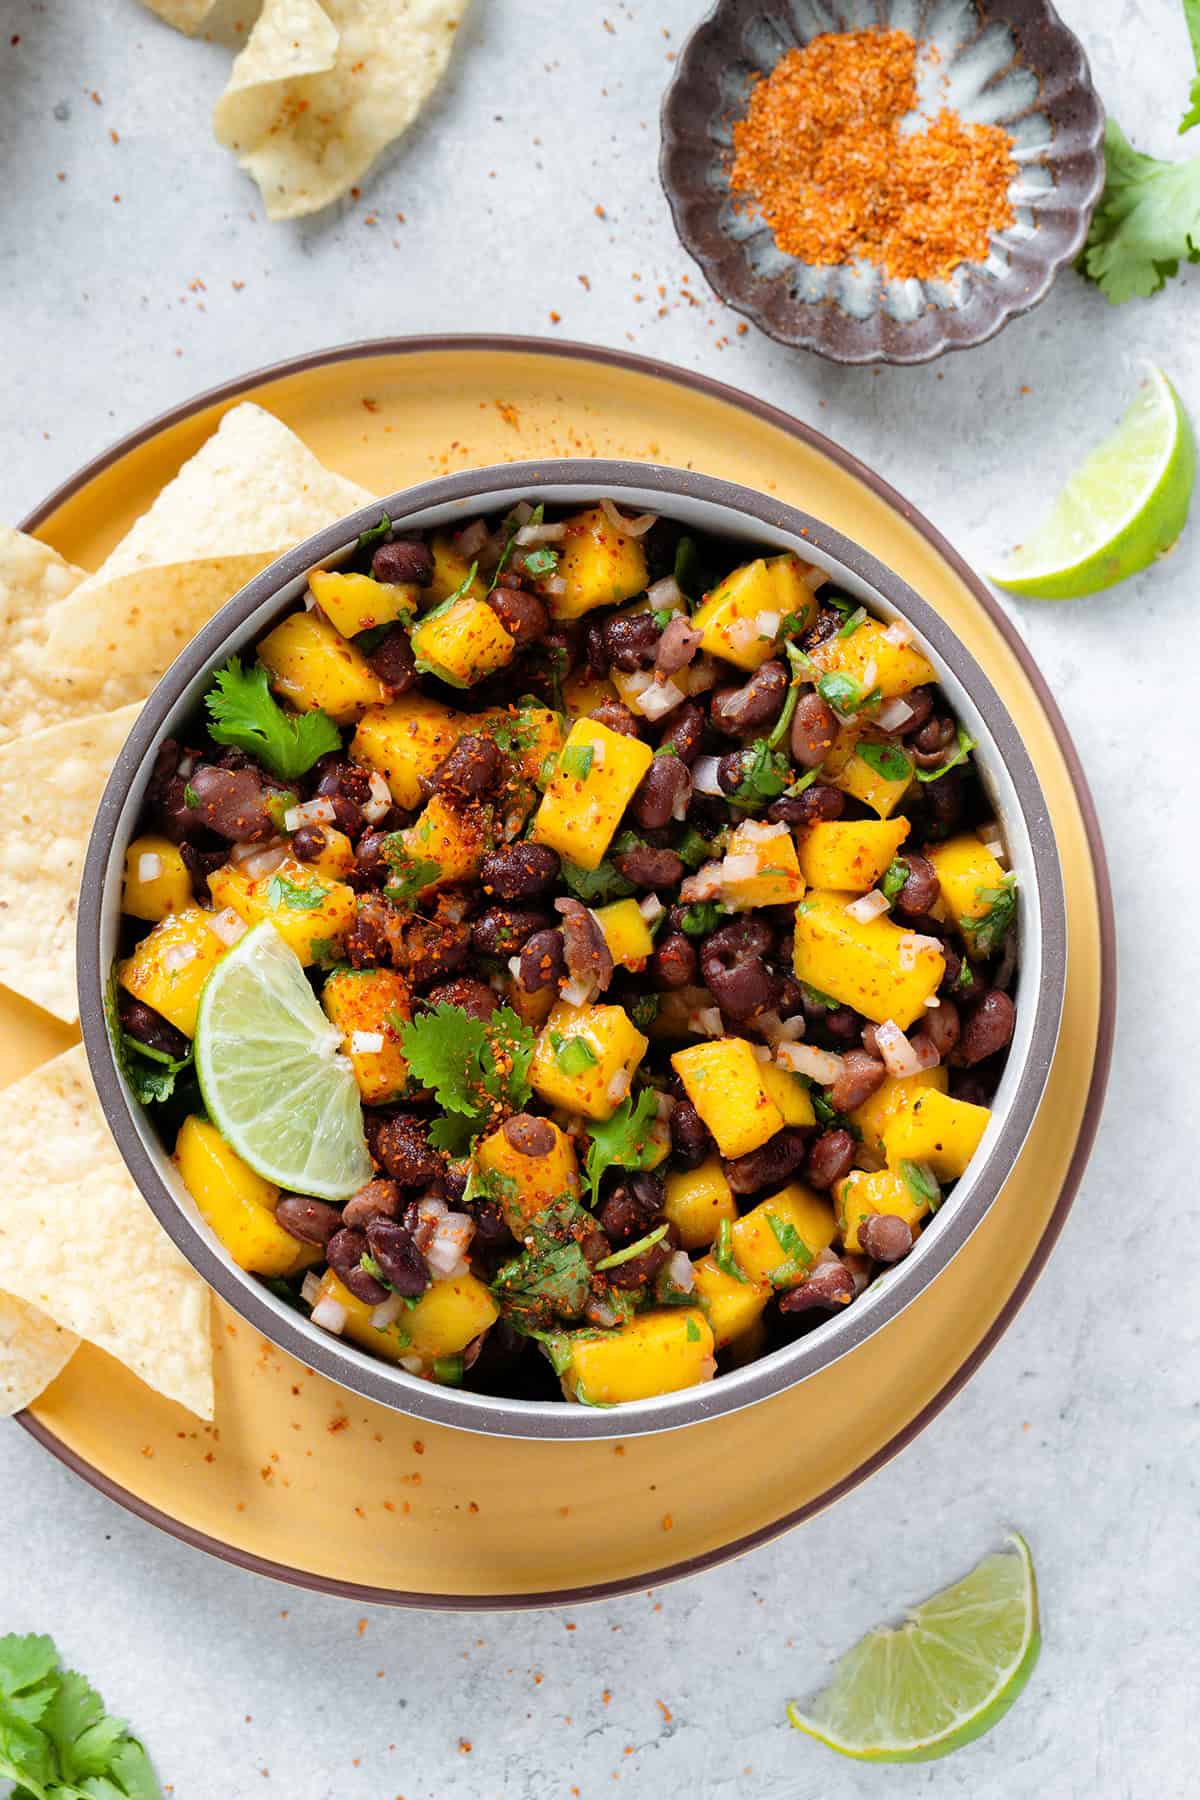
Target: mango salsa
964	868
405	741
776	878
872	661
777	1241
461	641
882	1193
524	1185
773	588
306	910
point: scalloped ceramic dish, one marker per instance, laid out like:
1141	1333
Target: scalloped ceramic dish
1007	62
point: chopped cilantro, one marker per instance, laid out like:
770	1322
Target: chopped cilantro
645	1009
986	933
779	730
576	761
723	1255
191	798
629	1251
966	743
841	692
702	918
326	953
475	1067
282	892
852	622
541	562
595	886
792	624
374	534
411	875
573	1055
624	1141
815	997
789	1239
518	731
151	1072
765	774
921	1185
886	760
662	617
245	714
798	787
550	1279
894	879
692	849
693	1332
829	1116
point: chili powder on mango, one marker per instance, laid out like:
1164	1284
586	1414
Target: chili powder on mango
821	154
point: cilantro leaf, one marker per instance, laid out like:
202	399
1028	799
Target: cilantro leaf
723	1255
1191	16
411	875
374	534
541	562
852	622
765	774
475	1067
894	879
887	760
551	1278
701	918
57	1741
1148	218
986	933
966	743
246	715
692	849
841	692
595	886
151	1072
624	1141
282	892
920	1184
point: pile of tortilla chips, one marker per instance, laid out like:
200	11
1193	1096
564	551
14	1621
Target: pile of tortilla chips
81	1255
322	87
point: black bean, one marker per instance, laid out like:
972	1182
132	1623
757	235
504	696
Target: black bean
308	843
403	1149
393	661
344	1253
673	963
921	888
731	771
746	710
632	1208
233	803
149	1027
830	1286
585	947
962	980
472	768
731	962
528	1135
641	1269
935	736
371	866
649	867
988	1027
885	1238
378	1200
502	930
594	651
617	716
770	1164
310	1221
665	786
815	803
942	1026
200	864
677	646
475	998
814	730
944	801
404	1268
861	1076
691	1139
519	871
522	615
830	1159
921	701
543	961
631	640
405	559
348	785
684	731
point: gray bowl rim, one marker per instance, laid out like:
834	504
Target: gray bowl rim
780	1369
845	343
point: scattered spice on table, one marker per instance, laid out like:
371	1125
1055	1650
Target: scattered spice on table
822	155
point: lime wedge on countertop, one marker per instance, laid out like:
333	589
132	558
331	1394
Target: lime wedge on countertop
943	1677
272	1074
1125	505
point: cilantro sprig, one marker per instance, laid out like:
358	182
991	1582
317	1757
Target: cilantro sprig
57	1740
765	774
476	1068
246	715
151	1072
624	1141
986	933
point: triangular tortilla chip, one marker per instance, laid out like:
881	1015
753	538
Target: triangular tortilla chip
250	493
321	89
50	787
33	1350
186	15
78	1241
37	690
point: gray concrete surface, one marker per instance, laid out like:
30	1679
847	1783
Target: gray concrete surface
1082	1427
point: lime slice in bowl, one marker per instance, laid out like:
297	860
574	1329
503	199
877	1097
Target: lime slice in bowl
942	1678
272	1074
1124	506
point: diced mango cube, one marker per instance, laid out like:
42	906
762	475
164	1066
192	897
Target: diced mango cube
369	1006
625	932
791	1095
655	1353
964	868
448	1315
875	967
734	1307
697	1202
237	1204
313	666
892	1097
306	910
870	658
450	571
523	1185
937	1130
850	855
594	782
855	765
534	733
882	1193
406	741
600	565
172	963
583	692
354	603
461	641
728	619
156	879
723	1081
777	1241
774	880
446	844
585	1058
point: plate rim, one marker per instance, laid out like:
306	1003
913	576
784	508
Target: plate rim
657	369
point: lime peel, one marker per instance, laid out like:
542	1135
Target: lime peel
272	1074
1124	507
944	1677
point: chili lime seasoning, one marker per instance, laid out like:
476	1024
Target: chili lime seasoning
822	156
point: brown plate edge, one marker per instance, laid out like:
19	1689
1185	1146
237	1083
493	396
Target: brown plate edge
782	421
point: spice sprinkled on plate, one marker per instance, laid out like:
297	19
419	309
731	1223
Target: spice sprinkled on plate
823	155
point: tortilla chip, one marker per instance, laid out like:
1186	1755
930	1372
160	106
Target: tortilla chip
33	1350
250	493
186	15
50	787
36	691
321	89
78	1241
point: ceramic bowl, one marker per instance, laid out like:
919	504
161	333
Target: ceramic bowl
714	506
1006	62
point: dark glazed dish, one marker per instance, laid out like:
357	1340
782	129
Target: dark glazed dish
1032	78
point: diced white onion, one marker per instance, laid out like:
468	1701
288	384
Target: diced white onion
704	775
742	634
471	539
681	1273
600	1314
805	1059
868	906
514	967
576	992
310	600
705	884
381	798
310	1289
366	1043
762	1052
868	676
664	595
767	623
178	956
636	683
660	698
700	675
909	946
554	584
598	751
813	578
994	847
265	862
898	1054
528	535
741	867
413	1365
707	1021
634	528
754	831
451	1241
228	925
522	512
932	1002
241	853
387	1312
893	713
149	866
186	765
664	1106
790	1030
651	908
682	800
619	1086
320	811
898	633
330	1315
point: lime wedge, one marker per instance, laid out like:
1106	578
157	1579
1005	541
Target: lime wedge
272	1074
1125	506
943	1677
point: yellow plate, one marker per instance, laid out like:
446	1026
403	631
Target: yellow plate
301	1480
